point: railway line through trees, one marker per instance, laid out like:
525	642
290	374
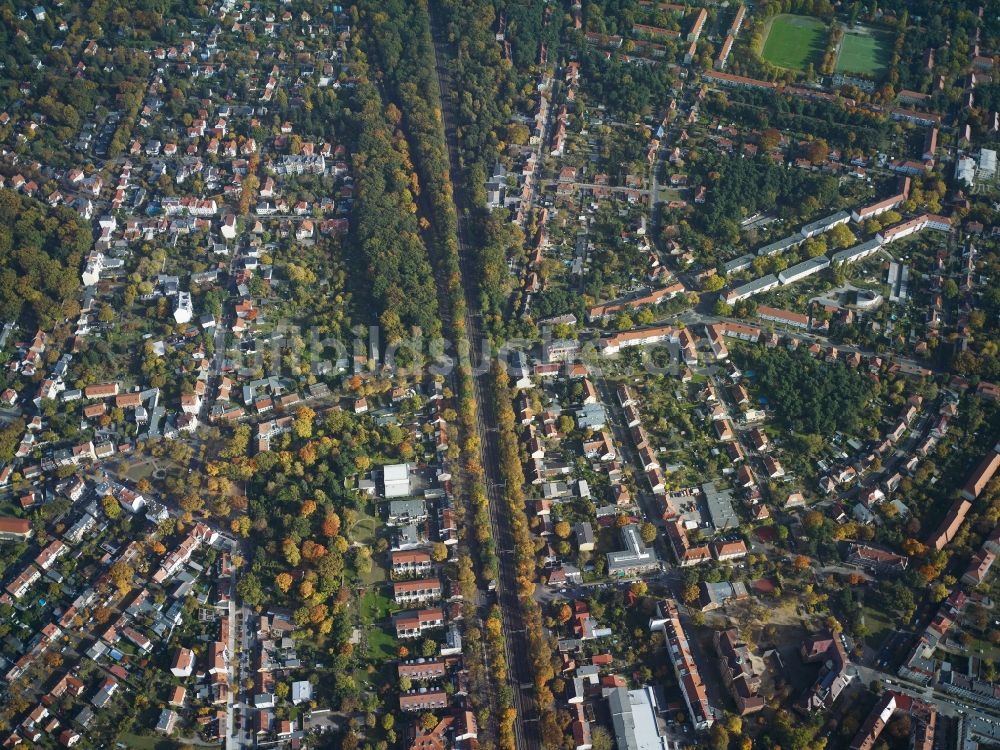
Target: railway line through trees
519	679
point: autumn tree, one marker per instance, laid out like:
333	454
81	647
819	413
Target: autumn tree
331	525
600	739
428	721
713	283
800	563
312	551
719	737
363	560
812	521
283	581
841	236
304	422
121	575
914	548
648	532
241	525
249	589
248	193
690	594
817	151
111	507
192	502
291	552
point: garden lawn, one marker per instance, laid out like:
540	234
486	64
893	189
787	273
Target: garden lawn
363	531
879	627
984	649
795	41
375	606
375	576
137	742
381	645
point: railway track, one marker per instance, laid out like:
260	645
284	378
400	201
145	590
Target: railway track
519	678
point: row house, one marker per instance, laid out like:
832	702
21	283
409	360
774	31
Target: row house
416	591
18	587
686	670
179	556
414	624
410	562
422	669
423	700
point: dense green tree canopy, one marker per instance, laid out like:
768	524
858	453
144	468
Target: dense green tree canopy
811	395
41	251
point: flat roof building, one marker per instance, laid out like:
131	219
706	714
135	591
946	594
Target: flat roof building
406	512
396	478
757	286
825	224
801	270
987	164
301	692
965	170
735	265
165	724
782	245
591	417
720	507
715	595
633	716
858	252
636	558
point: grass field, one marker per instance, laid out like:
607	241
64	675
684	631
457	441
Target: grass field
375	606
864	53
880	627
795	41
375	576
136	742
363	531
381	645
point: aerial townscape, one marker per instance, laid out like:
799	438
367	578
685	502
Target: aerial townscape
500	375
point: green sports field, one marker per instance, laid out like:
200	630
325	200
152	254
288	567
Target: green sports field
795	41
863	52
